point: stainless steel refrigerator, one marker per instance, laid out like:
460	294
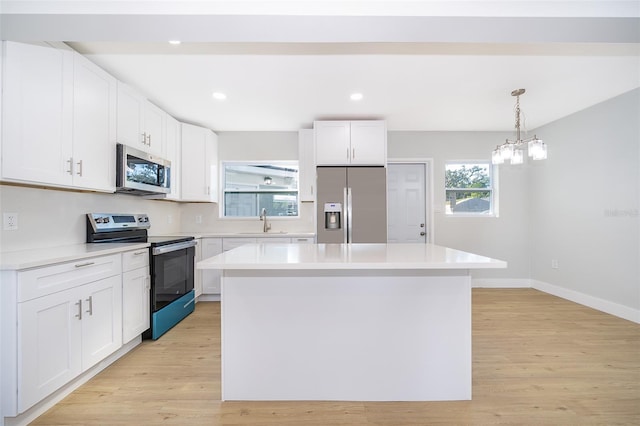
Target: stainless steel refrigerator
351	205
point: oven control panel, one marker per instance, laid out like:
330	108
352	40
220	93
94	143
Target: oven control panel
102	222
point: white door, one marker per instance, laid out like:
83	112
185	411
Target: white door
135	303
211	277
368	142
101	320
406	208
49	345
94	126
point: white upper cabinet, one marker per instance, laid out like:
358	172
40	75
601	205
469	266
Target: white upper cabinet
173	146
94	126
351	143
307	165
140	123
59	113
37	108
200	154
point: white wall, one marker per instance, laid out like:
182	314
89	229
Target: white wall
48	218
249	146
504	237
585	203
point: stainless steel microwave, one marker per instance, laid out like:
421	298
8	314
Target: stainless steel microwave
141	173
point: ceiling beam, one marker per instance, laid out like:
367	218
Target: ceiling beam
318	29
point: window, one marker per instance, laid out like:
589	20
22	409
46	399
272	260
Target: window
250	187
469	188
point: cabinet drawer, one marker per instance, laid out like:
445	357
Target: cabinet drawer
51	279
231	243
302	240
135	259
274	240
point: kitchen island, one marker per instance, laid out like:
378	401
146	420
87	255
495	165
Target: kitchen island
365	322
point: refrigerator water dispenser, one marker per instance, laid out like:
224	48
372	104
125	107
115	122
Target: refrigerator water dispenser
332	215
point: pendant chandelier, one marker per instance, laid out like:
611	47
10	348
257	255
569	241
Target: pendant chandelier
513	150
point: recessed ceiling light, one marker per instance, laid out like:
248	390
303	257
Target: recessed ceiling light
356	96
219	96
174	42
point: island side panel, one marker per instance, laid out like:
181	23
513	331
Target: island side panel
293	335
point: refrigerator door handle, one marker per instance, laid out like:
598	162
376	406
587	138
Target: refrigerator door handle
345	213
349	217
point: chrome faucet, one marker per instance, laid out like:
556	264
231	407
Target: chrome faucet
263	216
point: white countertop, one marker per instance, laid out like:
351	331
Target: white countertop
32	258
270	234
348	256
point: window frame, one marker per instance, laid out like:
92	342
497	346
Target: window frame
492	189
224	191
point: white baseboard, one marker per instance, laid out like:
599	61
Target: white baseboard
612	308
208	298
501	283
602	305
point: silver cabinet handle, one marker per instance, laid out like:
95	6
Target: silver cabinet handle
139	253
144	138
79	314
90	300
149	139
79	163
353	153
80	265
70	161
311	189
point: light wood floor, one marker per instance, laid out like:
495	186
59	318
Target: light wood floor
537	360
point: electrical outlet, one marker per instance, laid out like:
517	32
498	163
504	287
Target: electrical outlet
554	264
198	218
10	221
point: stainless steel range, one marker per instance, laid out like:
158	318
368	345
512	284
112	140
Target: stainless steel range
171	264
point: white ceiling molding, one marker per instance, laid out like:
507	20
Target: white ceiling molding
482	8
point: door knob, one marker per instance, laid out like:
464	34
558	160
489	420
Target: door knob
422	234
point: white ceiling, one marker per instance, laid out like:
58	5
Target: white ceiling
432	76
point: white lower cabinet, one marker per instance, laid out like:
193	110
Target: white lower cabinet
136	288
63	334
211	278
60	320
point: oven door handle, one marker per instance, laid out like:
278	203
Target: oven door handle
173	247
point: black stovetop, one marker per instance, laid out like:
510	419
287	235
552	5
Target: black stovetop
165	240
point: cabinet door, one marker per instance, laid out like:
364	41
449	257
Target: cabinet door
101	320
94	126
306	165
130	118
332	142
49	345
211	155
193	156
211	278
154	122
200	157
172	137
368	143
136	303
37	97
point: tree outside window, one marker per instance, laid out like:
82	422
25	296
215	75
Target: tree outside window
469	188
